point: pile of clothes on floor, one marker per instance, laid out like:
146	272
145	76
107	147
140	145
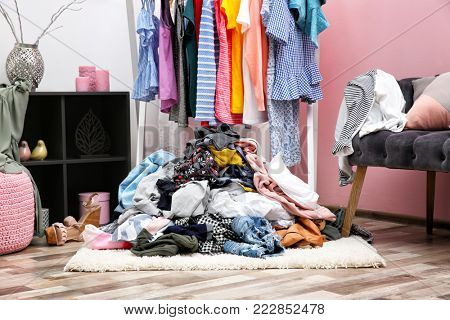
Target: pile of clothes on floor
220	197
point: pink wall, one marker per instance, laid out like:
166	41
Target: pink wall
405	38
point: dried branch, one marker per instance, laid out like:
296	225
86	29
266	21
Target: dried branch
9	21
20	20
57	14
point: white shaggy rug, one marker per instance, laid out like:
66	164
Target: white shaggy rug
350	252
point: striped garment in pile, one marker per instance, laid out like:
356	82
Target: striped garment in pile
208	48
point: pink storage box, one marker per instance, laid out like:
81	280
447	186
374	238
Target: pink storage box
103	201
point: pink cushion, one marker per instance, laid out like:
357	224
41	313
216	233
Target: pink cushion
16	212
428	114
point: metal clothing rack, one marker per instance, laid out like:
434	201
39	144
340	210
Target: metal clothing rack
141	107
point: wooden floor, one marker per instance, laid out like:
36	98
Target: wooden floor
418	267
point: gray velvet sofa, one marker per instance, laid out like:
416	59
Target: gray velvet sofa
411	150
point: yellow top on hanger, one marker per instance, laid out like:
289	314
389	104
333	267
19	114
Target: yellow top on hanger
231	9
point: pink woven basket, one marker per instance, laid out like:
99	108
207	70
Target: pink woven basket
16	212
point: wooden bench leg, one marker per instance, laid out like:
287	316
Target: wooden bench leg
353	200
431	179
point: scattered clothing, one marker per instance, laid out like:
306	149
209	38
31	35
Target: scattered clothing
129	229
373	101
199	166
293	194
226	157
202	232
189	200
97	239
233	201
128	186
221	137
147	196
166	190
221	231
166	245
362	232
258	239
291	185
332	229
157	225
234	173
301	234
248	145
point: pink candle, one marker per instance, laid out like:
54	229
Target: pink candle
102	80
82	84
88	71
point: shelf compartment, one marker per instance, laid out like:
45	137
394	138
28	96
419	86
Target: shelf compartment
43	122
49	180
112	111
94	177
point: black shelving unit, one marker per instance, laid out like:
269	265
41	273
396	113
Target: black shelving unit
53	117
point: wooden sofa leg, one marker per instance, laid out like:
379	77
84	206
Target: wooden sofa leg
353	200
431	179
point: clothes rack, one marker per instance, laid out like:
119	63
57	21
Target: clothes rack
141	108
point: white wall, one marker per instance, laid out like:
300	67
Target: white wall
96	35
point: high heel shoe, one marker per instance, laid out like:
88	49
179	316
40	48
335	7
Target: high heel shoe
59	233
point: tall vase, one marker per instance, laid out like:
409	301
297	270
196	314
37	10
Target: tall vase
25	62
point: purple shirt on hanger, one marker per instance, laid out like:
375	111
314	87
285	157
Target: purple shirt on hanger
167	83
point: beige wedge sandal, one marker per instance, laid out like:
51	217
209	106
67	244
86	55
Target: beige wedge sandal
59	233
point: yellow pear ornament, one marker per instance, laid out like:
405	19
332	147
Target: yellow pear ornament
39	152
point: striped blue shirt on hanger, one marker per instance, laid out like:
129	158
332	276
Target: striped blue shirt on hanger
207	65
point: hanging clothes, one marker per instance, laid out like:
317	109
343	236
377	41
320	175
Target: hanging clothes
190	47
198	5
223	87
231	9
296	70
208	48
310	17
284	128
146	86
284	125
254	63
293	74
167	81
179	112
